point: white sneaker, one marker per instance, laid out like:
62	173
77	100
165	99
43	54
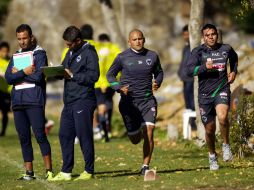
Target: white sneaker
213	162
227	154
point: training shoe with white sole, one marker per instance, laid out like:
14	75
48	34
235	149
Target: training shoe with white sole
84	176
61	176
227	154
213	162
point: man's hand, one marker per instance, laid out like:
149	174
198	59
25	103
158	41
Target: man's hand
28	70
209	63
68	74
14	70
231	77
125	89
103	90
155	86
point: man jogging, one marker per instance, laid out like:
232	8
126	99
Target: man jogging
209	62
141	75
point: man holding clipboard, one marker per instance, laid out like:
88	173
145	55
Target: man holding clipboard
28	99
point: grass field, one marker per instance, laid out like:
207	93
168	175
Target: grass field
179	165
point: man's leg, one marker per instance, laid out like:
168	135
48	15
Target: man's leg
83	117
102	119
37	119
222	114
67	135
207	113
148	143
210	129
22	125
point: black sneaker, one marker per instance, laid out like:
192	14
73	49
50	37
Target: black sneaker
143	170
29	175
26	177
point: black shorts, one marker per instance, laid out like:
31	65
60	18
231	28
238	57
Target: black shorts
5	101
103	97
207	110
137	113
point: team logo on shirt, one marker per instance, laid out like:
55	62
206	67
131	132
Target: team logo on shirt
78	58
204	119
148	61
224	54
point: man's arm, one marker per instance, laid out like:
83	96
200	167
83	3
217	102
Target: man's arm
233	61
40	60
194	66
13	78
112	73
158	74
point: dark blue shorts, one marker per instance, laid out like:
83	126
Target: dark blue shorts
207	110
137	113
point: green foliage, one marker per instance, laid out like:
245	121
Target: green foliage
242	13
242	124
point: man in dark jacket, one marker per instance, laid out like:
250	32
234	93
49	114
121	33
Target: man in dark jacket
188	82
82	71
28	101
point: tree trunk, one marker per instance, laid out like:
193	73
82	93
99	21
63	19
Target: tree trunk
111	23
195	23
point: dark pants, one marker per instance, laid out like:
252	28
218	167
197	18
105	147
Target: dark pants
188	92
5	104
77	120
24	118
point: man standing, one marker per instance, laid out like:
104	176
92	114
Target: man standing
188	82
82	71
141	75
5	97
209	62
28	101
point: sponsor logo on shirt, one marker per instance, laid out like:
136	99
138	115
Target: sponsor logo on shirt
140	62
216	54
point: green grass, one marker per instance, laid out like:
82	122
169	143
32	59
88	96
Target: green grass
179	165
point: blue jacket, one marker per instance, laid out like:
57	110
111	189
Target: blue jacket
34	96
83	63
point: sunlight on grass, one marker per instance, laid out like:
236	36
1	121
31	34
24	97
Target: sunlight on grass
179	165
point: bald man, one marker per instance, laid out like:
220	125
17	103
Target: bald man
141	76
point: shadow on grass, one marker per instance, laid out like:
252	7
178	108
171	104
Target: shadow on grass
121	173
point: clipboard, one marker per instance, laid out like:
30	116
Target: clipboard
53	71
23	60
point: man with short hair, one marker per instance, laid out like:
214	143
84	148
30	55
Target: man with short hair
28	101
209	62
82	71
141	75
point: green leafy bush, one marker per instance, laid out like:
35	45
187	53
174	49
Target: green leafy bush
242	125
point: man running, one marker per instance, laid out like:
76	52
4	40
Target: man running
141	75
209	62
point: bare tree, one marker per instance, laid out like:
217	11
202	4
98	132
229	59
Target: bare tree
111	23
195	23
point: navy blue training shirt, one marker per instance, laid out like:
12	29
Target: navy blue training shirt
138	70
212	81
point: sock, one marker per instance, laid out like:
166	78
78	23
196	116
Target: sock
145	165
28	172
